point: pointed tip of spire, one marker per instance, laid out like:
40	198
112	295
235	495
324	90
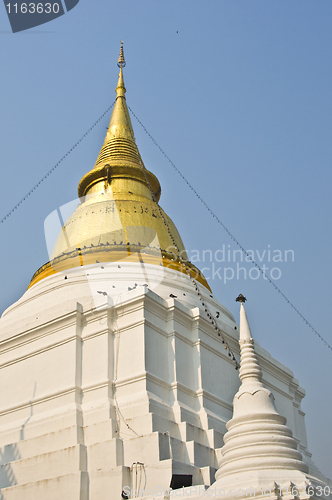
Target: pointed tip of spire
121	60
245	332
120	88
249	366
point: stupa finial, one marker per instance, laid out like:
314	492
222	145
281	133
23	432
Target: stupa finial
249	368
121	60
120	88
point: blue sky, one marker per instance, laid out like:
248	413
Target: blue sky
238	95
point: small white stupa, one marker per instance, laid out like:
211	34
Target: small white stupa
260	456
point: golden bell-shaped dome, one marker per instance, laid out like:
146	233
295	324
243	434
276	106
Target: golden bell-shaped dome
119	216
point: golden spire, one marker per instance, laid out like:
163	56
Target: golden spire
120	126
118	211
119	148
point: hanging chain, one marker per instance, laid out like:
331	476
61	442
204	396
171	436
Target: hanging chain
56	165
248	256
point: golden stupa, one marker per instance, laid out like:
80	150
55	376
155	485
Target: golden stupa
119	216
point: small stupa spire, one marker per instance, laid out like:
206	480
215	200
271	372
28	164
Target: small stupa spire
250	371
257	438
